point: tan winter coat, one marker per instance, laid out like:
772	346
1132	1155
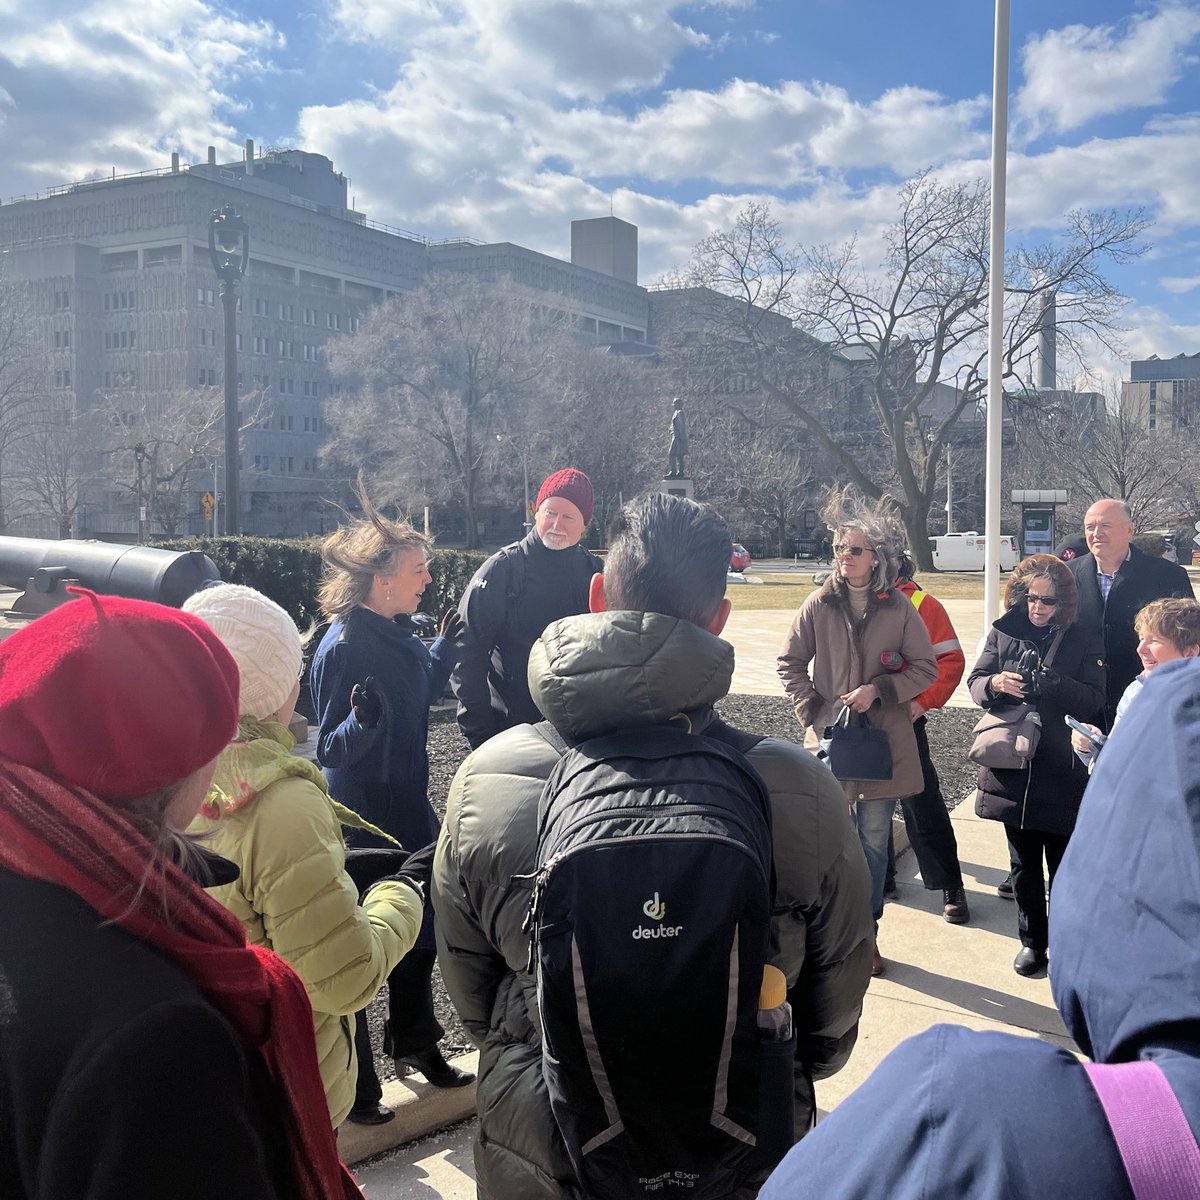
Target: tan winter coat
827	654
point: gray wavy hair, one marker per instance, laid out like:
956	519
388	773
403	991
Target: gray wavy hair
846	509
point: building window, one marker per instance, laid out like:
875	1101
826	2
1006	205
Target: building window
287	349
62	379
333	320
205	297
238	342
260	345
262	462
287	312
262	308
62	300
62	339
310	316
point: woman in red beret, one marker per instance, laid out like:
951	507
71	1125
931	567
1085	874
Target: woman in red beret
145	1050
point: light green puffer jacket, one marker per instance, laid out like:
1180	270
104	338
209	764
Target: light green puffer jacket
269	813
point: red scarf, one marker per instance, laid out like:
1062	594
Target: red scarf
65	836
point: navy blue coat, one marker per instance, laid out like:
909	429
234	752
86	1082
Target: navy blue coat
958	1115
381	773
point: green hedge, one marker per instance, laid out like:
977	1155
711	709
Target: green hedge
289	571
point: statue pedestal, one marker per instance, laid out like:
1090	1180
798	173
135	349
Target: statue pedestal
681	486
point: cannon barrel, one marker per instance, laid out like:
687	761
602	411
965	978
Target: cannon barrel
138	572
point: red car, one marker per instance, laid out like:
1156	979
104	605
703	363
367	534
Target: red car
739	558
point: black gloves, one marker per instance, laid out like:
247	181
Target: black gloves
366	699
452	626
417	872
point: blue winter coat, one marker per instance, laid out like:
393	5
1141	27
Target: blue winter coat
958	1115
381	773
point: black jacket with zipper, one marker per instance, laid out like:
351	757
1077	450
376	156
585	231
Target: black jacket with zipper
1046	796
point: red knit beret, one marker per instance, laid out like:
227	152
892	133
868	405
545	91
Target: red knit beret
119	697
571	485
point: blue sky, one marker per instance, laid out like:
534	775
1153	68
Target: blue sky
505	119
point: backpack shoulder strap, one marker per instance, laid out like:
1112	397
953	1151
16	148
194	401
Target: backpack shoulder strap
1158	1149
514	560
548	733
1054	645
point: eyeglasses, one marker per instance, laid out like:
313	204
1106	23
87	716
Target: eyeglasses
1044	601
853	551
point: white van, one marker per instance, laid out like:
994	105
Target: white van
964	552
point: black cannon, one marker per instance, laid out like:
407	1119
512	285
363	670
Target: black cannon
44	567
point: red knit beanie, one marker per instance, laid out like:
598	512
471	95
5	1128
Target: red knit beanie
119	697
571	485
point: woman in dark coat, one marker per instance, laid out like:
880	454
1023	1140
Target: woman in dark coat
145	1049
373	681
1038	654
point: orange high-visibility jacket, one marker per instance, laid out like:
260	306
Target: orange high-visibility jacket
950	659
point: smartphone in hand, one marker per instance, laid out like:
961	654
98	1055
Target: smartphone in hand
1094	736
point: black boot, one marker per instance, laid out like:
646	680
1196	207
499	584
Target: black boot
435	1068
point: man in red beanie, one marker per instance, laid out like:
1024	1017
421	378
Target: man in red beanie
510	601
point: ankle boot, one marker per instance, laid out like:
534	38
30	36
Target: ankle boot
434	1067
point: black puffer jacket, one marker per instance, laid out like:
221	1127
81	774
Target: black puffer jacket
510	600
1046	796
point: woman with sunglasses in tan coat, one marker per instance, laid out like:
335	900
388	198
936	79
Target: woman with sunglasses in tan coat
858	643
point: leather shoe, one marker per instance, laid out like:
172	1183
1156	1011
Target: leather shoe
1029	961
877	964
371	1114
1004	889
435	1068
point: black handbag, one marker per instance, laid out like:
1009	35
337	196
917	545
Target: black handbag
854	749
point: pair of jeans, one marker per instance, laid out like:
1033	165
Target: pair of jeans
1026	848
873	820
930	831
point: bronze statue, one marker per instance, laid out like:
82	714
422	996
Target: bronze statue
679	440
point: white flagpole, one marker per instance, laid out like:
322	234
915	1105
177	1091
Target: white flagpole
995	385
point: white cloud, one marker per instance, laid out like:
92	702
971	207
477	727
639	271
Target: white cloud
572	48
89	89
1080	72
1179	284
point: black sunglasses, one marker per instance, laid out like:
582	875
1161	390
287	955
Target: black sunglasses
853	551
1044	601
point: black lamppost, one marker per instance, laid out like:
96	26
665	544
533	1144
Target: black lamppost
139	457
229	245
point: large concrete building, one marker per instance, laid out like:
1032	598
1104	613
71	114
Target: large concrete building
1164	393
126	302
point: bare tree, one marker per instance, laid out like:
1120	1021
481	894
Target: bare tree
179	433
440	371
867	367
1094	445
56	465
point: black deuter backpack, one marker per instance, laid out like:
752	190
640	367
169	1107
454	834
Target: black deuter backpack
650	921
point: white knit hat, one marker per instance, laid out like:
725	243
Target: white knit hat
262	638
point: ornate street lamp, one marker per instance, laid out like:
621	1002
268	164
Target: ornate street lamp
139	457
229	245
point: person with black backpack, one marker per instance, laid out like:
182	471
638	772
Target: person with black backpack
611	883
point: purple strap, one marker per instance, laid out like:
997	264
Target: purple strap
1156	1143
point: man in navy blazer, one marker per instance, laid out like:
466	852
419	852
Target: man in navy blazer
1115	580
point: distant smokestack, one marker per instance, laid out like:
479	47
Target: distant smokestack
249	156
1047	344
174	162
212	156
